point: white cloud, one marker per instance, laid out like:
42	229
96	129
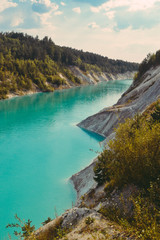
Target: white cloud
142	5
123	44
127	44
93	25
58	13
47	3
4	4
133	5
45	18
95	9
54	6
63	4
16	21
77	10
110	14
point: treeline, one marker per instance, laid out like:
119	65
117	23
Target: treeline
23	46
28	63
152	60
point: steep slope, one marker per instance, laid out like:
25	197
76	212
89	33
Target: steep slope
135	100
143	92
81	224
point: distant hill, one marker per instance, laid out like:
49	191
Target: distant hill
30	64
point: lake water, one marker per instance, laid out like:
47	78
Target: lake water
41	147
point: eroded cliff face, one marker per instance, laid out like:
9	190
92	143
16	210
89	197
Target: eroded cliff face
86	78
92	77
135	100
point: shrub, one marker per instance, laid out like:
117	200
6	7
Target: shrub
133	157
26	229
56	80
146	219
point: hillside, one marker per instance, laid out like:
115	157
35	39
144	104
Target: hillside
28	65
118	194
143	91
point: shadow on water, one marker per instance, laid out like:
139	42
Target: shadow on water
96	136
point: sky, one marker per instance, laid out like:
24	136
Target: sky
119	29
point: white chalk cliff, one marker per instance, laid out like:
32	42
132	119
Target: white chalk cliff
133	101
92	77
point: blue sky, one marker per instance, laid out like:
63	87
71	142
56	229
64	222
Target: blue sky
120	29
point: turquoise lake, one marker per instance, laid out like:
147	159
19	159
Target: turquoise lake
41	148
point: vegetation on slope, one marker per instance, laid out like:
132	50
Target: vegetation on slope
152	60
27	63
133	158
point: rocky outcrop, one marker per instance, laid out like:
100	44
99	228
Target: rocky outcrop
135	100
82	224
83	180
92	77
95	226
